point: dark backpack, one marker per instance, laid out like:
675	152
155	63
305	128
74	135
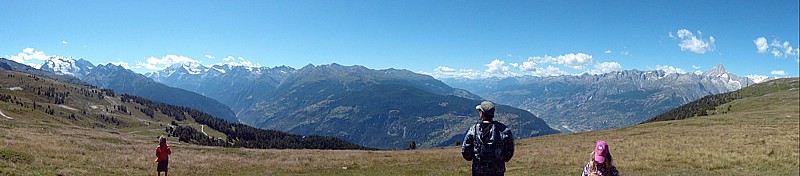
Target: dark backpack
491	149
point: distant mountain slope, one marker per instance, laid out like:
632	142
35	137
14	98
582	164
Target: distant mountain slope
126	81
710	105
34	101
236	86
377	108
388	116
591	102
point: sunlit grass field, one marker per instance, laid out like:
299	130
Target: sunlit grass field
759	136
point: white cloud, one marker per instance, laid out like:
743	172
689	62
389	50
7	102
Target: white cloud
534	66
695	67
778	72
576	61
237	61
527	66
444	69
625	53
691	42
761	44
777	48
154	63
447	72
122	64
229	58
782	49
548	71
64	42
497	65
30	54
607	51
670	69
775	52
605	67
210	56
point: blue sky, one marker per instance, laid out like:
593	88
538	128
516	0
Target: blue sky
442	38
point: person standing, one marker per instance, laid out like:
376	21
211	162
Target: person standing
488	144
601	163
162	156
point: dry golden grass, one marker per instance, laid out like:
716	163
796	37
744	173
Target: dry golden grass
761	137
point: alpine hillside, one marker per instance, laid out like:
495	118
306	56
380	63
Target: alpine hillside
592	102
376	108
29	100
713	104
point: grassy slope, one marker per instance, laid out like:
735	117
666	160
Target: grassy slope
760	136
713	104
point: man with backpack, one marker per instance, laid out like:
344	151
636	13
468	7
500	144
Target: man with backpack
488	144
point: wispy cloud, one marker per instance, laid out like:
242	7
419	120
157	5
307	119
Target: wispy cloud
778	49
210	56
695	67
782	49
237	61
691	42
778	72
607	51
64	42
533	66
447	72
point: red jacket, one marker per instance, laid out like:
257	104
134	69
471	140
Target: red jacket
163	152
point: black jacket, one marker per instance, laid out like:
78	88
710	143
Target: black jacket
483	131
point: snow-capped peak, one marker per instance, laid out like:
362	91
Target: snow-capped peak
193	68
66	66
718	71
759	78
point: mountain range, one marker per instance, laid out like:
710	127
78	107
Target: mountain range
592	102
389	108
376	108
124	81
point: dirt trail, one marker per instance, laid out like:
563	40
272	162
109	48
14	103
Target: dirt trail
67	107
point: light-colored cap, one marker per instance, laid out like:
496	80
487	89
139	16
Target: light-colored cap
485	106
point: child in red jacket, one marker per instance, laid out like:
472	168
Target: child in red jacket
162	152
